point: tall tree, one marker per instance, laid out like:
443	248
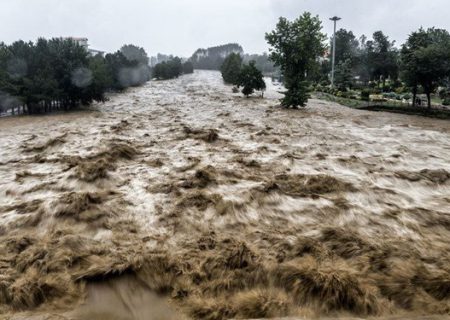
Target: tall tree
59	73
382	58
231	68
135	53
346	46
425	60
344	75
295	48
101	80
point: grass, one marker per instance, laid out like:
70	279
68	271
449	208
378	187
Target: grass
390	106
352	103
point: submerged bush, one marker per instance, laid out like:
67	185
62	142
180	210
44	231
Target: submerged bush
169	69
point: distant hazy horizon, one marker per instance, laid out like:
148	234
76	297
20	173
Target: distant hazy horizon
180	27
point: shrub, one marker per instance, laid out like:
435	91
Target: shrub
390	95
324	83
387	88
168	69
446	102
377	98
365	95
401	90
407	96
376	91
444	93
188	67
251	79
347	95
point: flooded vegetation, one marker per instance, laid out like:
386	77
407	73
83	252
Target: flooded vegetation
181	200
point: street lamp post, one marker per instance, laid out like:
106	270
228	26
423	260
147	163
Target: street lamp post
335	19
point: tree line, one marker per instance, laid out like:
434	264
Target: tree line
213	58
59	74
376	65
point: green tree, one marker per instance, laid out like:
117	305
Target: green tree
135	53
102	80
231	68
115	62
382	58
250	79
344	75
188	67
170	69
346	46
360	64
60	74
295	48
425	60
175	67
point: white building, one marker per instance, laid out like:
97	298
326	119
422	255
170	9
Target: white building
83	42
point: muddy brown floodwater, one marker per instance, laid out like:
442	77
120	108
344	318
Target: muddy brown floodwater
180	200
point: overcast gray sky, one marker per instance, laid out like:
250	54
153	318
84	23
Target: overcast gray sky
182	26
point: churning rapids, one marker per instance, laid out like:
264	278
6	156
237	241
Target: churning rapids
181	200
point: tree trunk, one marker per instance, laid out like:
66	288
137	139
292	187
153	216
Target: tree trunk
414	96
429	99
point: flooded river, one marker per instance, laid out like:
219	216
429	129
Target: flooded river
179	199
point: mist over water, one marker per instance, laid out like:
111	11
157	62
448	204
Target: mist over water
82	77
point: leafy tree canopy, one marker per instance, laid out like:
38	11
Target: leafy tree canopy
295	48
425	60
251	79
61	74
171	69
231	68
347	46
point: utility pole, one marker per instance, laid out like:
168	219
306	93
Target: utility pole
335	19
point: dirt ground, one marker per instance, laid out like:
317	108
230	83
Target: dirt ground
181	200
